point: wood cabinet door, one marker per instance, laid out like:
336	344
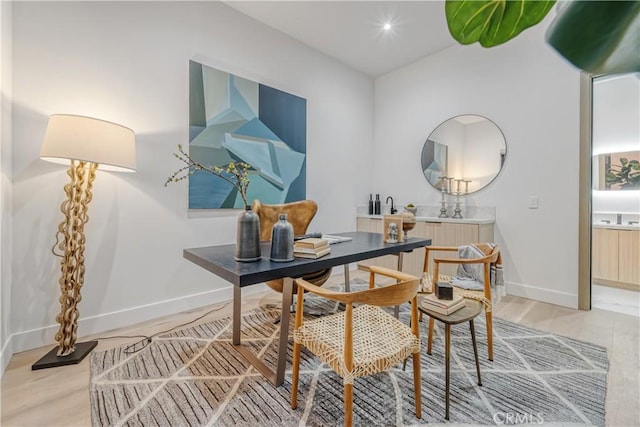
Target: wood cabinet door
450	234
435	232
374	225
370	225
413	261
604	258
629	256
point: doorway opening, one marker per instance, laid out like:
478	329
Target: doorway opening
609	270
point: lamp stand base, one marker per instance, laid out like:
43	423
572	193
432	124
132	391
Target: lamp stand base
51	359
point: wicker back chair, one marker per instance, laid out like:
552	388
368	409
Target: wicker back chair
363	340
481	295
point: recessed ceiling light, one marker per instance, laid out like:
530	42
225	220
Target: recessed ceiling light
387	26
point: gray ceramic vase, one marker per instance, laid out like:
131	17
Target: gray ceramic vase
282	240
248	236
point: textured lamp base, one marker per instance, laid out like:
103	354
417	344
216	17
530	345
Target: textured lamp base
51	359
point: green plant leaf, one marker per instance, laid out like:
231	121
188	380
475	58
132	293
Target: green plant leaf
493	22
600	37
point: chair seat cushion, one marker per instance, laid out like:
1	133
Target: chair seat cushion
379	341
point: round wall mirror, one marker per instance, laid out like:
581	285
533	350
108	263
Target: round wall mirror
463	154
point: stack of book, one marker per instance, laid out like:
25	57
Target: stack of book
312	247
443	306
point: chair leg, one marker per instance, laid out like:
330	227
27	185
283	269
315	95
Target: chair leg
348	405
417	382
475	349
489	318
295	375
430	334
447	369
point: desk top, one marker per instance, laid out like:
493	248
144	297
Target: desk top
219	259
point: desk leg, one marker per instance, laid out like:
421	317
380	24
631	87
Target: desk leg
277	377
287	294
237	312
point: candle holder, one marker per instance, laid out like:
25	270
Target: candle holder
449	179
458	181
443	204
457	212
466	185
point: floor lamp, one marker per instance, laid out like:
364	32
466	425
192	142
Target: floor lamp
83	143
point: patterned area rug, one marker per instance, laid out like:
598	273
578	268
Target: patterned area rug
195	377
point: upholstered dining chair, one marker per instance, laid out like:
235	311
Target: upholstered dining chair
491	257
299	214
362	340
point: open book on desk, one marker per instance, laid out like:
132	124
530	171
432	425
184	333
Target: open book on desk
335	239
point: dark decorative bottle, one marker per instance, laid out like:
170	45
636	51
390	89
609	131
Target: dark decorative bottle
376	209
248	236
282	240
370	204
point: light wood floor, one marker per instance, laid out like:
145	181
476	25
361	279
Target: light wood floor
60	396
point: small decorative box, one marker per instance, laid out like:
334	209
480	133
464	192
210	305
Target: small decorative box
444	291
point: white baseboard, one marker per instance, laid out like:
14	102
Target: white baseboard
34	338
544	295
118	319
5	354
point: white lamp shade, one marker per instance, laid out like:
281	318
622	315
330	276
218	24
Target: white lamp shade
86	139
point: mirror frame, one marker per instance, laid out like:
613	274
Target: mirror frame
443	154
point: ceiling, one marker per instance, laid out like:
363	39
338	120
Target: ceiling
352	33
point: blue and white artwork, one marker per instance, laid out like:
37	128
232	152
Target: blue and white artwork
434	161
234	119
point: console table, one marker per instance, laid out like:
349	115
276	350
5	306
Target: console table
219	261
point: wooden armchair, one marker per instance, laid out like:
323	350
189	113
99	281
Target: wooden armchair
299	214
363	340
483	295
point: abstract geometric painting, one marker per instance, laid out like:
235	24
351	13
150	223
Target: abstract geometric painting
234	119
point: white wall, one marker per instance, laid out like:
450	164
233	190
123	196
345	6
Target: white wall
532	94
5	183
127	62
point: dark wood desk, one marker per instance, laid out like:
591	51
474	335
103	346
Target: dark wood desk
219	260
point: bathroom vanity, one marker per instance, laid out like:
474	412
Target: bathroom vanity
441	231
615	255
